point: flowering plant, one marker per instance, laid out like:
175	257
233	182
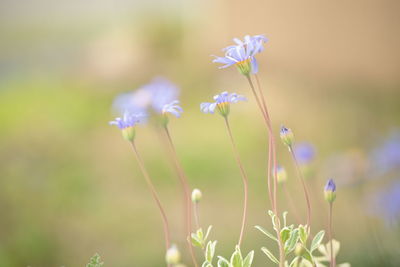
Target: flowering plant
298	244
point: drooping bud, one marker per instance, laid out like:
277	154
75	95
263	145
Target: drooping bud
196	195
281	174
330	191
287	136
173	256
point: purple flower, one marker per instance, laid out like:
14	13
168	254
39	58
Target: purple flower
305	152
242	55
330	186
386	157
129	119
330	191
152	96
172	108
386	203
222	103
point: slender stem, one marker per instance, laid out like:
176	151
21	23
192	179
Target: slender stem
186	191
271	148
155	196
306	195
291	204
196	215
244	179
269	172
333	260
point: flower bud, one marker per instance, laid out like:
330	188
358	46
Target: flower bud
196	195
173	256
330	191
281	174
129	133
287	136
299	250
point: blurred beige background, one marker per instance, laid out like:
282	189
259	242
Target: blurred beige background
69	186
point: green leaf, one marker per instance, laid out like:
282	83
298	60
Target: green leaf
303	234
195	241
284	215
236	259
317	240
306	263
307	255
206	264
200	234
285	234
265	232
208	232
95	261
271	213
290	244
249	259
210	250
222	262
294	262
270	255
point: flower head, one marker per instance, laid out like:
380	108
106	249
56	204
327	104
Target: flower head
150	97
386	203
281	174
287	136
222	103
330	191
172	108
127	123
305	152
242	54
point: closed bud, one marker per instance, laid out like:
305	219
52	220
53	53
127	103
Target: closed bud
299	250
287	136
196	195
330	191
173	256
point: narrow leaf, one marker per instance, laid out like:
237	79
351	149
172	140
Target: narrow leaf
290	244
222	262
317	240
265	232
285	234
270	255
249	259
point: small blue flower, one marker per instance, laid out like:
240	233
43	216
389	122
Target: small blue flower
386	157
330	191
386	203
242	54
172	108
222	103
152	96
128	119
305	152
127	123
330	186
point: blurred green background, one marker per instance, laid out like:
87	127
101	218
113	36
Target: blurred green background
69	184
